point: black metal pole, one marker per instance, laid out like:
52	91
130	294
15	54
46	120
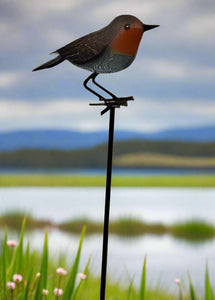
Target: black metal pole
107	204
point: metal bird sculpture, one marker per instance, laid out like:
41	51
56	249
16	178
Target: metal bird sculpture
108	50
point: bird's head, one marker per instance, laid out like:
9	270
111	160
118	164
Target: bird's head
129	31
128	22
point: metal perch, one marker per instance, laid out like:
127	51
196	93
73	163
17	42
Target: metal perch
111	104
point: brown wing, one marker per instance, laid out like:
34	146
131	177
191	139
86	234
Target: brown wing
86	47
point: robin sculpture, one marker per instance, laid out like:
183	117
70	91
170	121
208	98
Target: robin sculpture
108	50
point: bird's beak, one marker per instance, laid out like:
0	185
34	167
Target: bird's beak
149	27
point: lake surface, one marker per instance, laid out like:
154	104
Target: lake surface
165	205
116	172
167	257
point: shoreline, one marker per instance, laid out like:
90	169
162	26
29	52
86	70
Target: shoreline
48	180
191	230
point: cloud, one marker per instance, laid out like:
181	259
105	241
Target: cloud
9	79
113	9
42	8
24	108
202	28
59	37
165	68
154	115
12	35
174	67
66	113
142	115
3	28
176	70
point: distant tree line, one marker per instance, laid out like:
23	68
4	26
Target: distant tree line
96	157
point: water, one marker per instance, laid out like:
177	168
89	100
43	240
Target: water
116	171
165	205
167	258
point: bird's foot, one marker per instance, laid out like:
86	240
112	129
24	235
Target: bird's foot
115	102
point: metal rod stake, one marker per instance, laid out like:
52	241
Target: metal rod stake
107	204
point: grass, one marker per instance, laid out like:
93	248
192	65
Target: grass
121	227
37	273
191	230
99	181
137	160
14	220
23	261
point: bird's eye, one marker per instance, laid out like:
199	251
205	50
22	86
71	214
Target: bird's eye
127	26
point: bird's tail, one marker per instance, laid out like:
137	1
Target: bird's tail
51	63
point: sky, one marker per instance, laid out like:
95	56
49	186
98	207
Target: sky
172	78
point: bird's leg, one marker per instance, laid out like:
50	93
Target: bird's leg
113	102
92	76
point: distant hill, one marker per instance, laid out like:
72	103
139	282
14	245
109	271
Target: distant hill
58	139
71	140
127	154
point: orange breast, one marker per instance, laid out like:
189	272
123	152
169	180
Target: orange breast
127	41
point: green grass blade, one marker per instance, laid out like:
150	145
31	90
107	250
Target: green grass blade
208	289
42	282
4	264
72	277
28	272
26	260
17	261
27	288
143	282
86	271
192	292
130	289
